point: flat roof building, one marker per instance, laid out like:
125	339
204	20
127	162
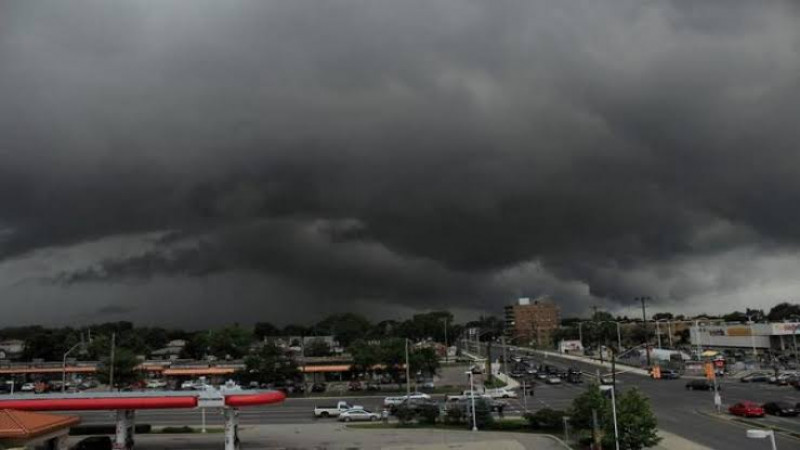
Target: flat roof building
761	336
532	321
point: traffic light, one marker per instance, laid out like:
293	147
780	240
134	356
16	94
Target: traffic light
709	369
656	372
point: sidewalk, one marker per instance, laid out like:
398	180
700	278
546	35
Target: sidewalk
510	382
675	442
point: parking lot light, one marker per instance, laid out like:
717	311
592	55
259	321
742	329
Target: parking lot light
762	434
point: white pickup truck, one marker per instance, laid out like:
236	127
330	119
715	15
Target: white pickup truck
500	393
333	411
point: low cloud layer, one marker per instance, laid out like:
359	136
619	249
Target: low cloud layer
400	155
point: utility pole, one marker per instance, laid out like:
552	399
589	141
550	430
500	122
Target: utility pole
644	323
489	360
446	348
505	358
111	369
408	373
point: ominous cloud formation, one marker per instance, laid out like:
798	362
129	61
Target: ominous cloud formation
399	155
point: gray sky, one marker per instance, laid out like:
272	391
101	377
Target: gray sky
201	162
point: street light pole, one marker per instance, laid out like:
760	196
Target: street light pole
64	367
752	336
472	396
614	398
658	334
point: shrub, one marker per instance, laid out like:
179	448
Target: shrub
404	414
428	414
454	415
545	419
483	414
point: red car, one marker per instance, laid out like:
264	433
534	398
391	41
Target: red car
747	409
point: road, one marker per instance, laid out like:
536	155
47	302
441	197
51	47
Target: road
689	414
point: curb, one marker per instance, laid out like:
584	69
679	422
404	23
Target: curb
746	423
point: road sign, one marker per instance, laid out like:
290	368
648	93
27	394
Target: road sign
210	400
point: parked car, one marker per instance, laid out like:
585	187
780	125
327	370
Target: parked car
518	373
373	386
318	387
755	378
94	443
476	369
781	409
428	385
354	386
701	385
746	409
669	374
553	379
28	387
606	379
156	384
575	378
333	410
358	414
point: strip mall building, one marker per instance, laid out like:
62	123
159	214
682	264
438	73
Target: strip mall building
781	336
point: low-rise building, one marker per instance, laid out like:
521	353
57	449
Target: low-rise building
760	337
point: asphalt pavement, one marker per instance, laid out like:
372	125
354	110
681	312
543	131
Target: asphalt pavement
690	414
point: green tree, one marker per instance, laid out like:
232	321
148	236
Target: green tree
295	330
269	365
196	346
581	411
125	373
736	316
663	316
546	419
635	420
365	356
346	327
265	329
230	342
784	311
425	360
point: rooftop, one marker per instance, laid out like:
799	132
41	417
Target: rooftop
27	425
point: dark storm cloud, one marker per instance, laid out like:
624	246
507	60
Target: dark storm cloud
441	144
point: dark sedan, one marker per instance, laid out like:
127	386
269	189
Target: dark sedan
701	385
781	409
670	374
755	378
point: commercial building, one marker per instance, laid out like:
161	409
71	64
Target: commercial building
532	321
781	336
